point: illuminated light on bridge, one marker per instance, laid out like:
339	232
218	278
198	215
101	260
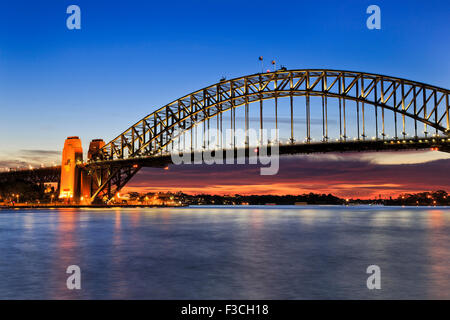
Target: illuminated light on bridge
313	110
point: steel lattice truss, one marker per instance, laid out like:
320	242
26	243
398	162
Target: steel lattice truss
107	180
424	104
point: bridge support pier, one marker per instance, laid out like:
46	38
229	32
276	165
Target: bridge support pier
70	172
76	182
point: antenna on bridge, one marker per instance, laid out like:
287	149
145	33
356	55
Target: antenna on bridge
262	67
274	65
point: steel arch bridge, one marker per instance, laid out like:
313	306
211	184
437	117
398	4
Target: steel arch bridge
425	104
364	103
341	111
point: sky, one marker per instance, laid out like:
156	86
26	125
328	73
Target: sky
132	57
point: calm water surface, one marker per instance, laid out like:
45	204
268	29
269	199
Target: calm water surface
226	253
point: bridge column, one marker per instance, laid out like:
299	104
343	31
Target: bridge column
86	179
70	172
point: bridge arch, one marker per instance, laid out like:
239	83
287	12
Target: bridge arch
419	102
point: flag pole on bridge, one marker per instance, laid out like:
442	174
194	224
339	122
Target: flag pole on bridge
262	67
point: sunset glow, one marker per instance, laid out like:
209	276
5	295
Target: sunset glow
357	175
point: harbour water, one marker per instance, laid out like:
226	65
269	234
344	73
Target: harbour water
298	252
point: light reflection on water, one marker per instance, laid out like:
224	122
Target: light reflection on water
225	252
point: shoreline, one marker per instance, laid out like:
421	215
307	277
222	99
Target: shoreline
87	206
99	206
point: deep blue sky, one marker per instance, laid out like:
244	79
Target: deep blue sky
131	57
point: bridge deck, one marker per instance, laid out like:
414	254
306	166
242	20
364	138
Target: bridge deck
162	160
52	174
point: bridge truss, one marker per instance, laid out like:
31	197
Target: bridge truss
350	110
426	105
314	110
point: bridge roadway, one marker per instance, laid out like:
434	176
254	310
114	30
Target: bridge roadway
35	175
52	174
